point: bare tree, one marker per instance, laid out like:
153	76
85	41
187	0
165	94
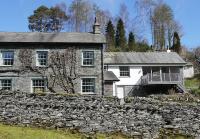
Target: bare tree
160	17
197	54
124	14
63	66
26	58
75	15
197	57
61	70
172	26
145	10
80	12
102	17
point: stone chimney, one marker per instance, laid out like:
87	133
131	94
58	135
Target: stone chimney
96	27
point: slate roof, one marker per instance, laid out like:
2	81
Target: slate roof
110	76
146	58
62	37
189	64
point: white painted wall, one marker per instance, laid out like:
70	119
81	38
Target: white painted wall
135	75
188	72
114	89
134	79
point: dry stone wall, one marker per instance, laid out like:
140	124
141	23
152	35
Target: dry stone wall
90	114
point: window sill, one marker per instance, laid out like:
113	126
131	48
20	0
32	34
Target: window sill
41	66
124	76
6	65
88	93
87	65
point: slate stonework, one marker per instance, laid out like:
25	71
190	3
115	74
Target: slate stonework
90	114
23	81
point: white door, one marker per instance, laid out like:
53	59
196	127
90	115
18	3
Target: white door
120	92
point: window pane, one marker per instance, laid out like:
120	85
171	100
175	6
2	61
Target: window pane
42	57
88	85
8	57
87	61
8	62
124	71
88	58
105	68
6	84
38	85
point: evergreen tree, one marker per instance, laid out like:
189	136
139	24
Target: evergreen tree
131	42
176	43
46	19
110	36
120	38
142	47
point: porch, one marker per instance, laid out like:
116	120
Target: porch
161	75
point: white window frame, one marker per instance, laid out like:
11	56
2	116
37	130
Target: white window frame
11	84
2	59
37	78
87	93
88	58
37	58
124	71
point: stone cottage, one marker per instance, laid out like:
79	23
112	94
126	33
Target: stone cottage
35	61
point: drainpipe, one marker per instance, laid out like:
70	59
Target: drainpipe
160	74
102	70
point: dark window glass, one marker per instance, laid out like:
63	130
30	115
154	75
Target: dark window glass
42	57
88	85
38	85
8	58
124	71
88	58
6	84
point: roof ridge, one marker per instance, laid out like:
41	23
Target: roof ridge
143	58
48	32
140	52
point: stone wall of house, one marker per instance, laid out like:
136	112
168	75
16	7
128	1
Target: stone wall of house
108	88
90	114
23	81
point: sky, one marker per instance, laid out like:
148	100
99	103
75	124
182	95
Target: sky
14	13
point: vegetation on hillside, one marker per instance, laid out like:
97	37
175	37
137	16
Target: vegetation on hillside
193	84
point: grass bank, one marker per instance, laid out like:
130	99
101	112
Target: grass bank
15	132
193	84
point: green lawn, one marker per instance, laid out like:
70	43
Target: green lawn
193	84
14	132
11	132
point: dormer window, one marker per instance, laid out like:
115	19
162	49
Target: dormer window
41	58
